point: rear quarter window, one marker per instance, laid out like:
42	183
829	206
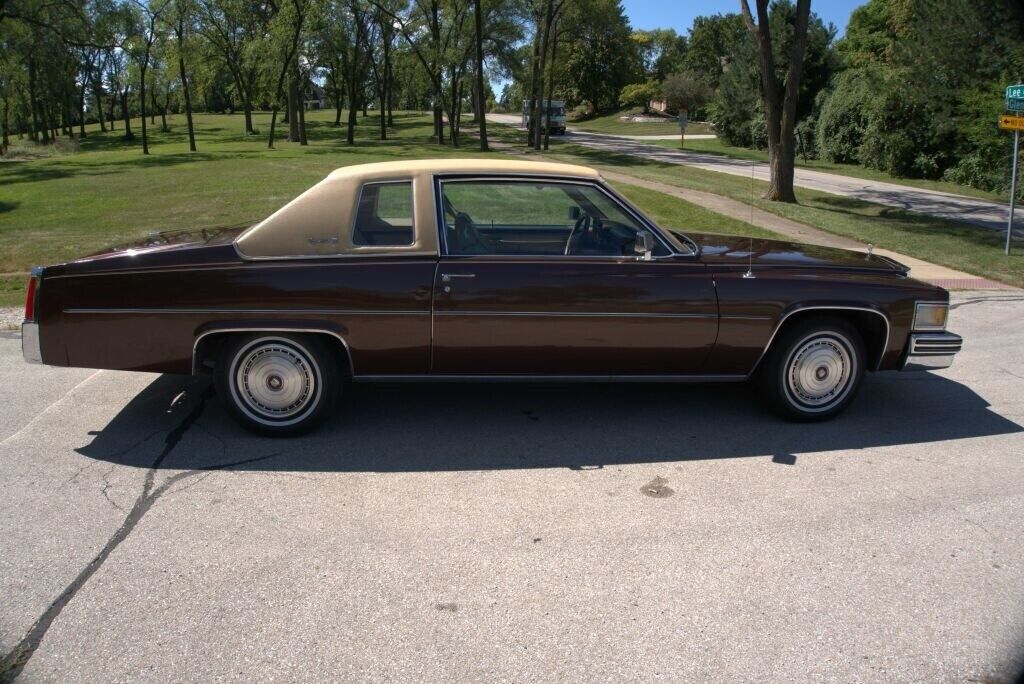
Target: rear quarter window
384	216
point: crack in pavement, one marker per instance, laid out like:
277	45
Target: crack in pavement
14	662
979	300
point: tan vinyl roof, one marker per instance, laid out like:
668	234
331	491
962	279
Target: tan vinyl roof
481	166
319	221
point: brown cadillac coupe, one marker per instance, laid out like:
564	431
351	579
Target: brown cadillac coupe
481	270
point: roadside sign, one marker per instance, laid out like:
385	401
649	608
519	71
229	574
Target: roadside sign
1011	122
682	119
1015	98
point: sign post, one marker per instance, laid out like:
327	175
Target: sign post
1013	189
682	128
1015	104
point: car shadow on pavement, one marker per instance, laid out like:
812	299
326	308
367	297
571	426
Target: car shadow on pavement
449	427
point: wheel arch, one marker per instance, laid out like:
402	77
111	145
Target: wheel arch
209	341
872	324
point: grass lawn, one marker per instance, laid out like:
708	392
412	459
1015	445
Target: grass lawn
952	244
611	123
717	146
63	205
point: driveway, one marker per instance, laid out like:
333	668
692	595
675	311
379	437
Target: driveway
983	213
519	532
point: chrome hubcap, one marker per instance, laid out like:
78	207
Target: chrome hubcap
275	380
820	371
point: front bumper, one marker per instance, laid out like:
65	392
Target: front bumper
30	343
929	351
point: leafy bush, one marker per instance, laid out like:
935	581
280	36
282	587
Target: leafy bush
843	117
639	94
685	91
986	153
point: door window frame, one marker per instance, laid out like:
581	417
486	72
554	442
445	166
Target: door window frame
618	201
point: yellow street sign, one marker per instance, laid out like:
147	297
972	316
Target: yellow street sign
1011	122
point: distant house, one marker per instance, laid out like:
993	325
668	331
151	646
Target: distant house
315	97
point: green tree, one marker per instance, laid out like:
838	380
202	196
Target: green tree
639	94
685	92
600	59
662	52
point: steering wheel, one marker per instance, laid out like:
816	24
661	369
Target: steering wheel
579	229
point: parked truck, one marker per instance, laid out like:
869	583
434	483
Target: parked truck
555	116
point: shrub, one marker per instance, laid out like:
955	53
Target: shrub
843	117
685	91
639	95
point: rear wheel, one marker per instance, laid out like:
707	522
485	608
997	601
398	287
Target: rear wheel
277	384
813	370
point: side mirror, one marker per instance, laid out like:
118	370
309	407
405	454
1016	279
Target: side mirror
644	245
575	213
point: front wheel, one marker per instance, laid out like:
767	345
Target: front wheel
277	384
813	370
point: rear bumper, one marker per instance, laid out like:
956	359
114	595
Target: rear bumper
929	351
30	350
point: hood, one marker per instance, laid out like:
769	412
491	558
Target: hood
737	250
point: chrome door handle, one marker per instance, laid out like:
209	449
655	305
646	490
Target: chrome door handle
447	277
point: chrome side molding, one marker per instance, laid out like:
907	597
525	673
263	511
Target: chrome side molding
930	351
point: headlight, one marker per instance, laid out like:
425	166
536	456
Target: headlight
930	316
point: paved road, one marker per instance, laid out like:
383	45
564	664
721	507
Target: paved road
987	214
520	533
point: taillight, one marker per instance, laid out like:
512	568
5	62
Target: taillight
30	298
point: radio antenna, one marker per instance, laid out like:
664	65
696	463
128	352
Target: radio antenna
750	252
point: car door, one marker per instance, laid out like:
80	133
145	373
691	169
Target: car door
541	277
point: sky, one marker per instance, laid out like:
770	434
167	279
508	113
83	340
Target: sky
649	14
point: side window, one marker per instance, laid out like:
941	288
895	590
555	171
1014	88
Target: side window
530	218
384	215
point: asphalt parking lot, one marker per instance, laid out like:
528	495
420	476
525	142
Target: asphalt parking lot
519	532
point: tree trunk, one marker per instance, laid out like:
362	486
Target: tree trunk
542	115
247	104
188	102
33	104
390	80
388	76
142	108
350	137
551	80
81	107
438	121
779	103
5	142
481	99
127	116
99	107
273	123
531	110
293	105
111	118
302	122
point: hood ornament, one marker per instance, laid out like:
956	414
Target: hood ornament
871	249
